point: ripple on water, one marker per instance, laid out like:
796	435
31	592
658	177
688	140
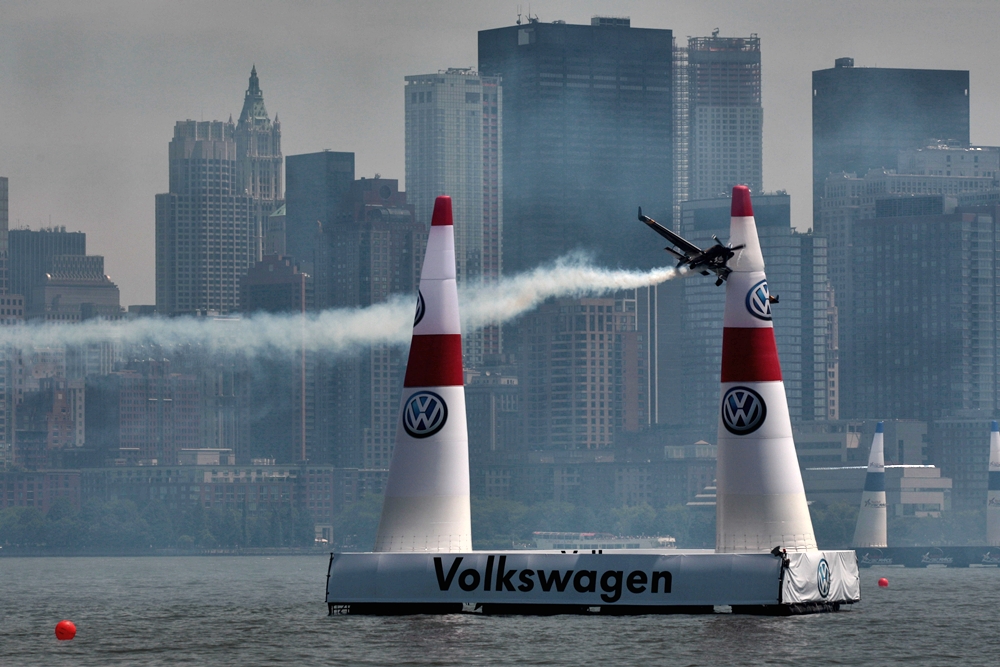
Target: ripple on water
270	611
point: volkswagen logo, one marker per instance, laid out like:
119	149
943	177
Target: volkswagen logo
420	309
823	577
743	411
758	302
424	414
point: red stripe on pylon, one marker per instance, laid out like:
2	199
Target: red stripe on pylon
741	206
435	361
442	212
750	355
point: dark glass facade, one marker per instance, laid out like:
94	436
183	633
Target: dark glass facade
863	116
587	138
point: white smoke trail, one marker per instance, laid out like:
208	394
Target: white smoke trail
341	331
570	276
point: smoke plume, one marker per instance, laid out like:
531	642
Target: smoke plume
340	331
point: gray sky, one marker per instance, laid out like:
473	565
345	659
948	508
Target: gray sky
90	91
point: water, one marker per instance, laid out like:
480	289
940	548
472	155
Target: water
269	611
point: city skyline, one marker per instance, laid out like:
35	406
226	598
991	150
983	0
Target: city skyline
133	86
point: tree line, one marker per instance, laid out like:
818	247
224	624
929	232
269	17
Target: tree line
122	526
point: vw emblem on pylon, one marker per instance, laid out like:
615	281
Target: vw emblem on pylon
759	301
424	414
743	410
823	577
420	309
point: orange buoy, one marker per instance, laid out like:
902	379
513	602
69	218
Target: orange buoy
883	583
65	630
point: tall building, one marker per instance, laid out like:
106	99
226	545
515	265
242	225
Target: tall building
454	146
4	221
276	410
725	115
863	116
849	201
923	343
317	202
375	253
207	233
581	377
258	161
10	306
796	271
317	198
587	136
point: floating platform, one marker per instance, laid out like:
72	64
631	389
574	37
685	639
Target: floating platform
926	556
607	582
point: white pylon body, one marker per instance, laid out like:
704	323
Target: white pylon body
427	506
871	527
761	502
993	493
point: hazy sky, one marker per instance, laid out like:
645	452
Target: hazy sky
90	90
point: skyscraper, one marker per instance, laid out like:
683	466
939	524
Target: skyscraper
374	253
850	201
4	275
587	137
924	340
725	115
581	383
863	116
206	227
319	186
258	155
225	180
454	146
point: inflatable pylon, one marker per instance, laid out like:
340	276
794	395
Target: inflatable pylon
993	494
427	505
761	502
871	528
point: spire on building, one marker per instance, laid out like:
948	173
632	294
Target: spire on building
253	103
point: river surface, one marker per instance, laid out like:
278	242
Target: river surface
252	611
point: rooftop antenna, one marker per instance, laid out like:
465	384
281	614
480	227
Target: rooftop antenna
519	14
715	33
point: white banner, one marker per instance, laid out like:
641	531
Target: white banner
520	577
613	578
821	576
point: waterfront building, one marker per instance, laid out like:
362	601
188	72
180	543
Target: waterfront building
143	415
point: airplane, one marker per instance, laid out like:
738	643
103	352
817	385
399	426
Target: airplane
711	260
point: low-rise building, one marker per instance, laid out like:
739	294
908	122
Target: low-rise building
911	490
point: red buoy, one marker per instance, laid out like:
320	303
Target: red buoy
65	630
883	583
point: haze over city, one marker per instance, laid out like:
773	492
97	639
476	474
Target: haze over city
318	310
91	91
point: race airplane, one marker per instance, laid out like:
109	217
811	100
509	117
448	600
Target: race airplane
692	258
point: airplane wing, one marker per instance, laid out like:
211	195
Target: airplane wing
686	247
